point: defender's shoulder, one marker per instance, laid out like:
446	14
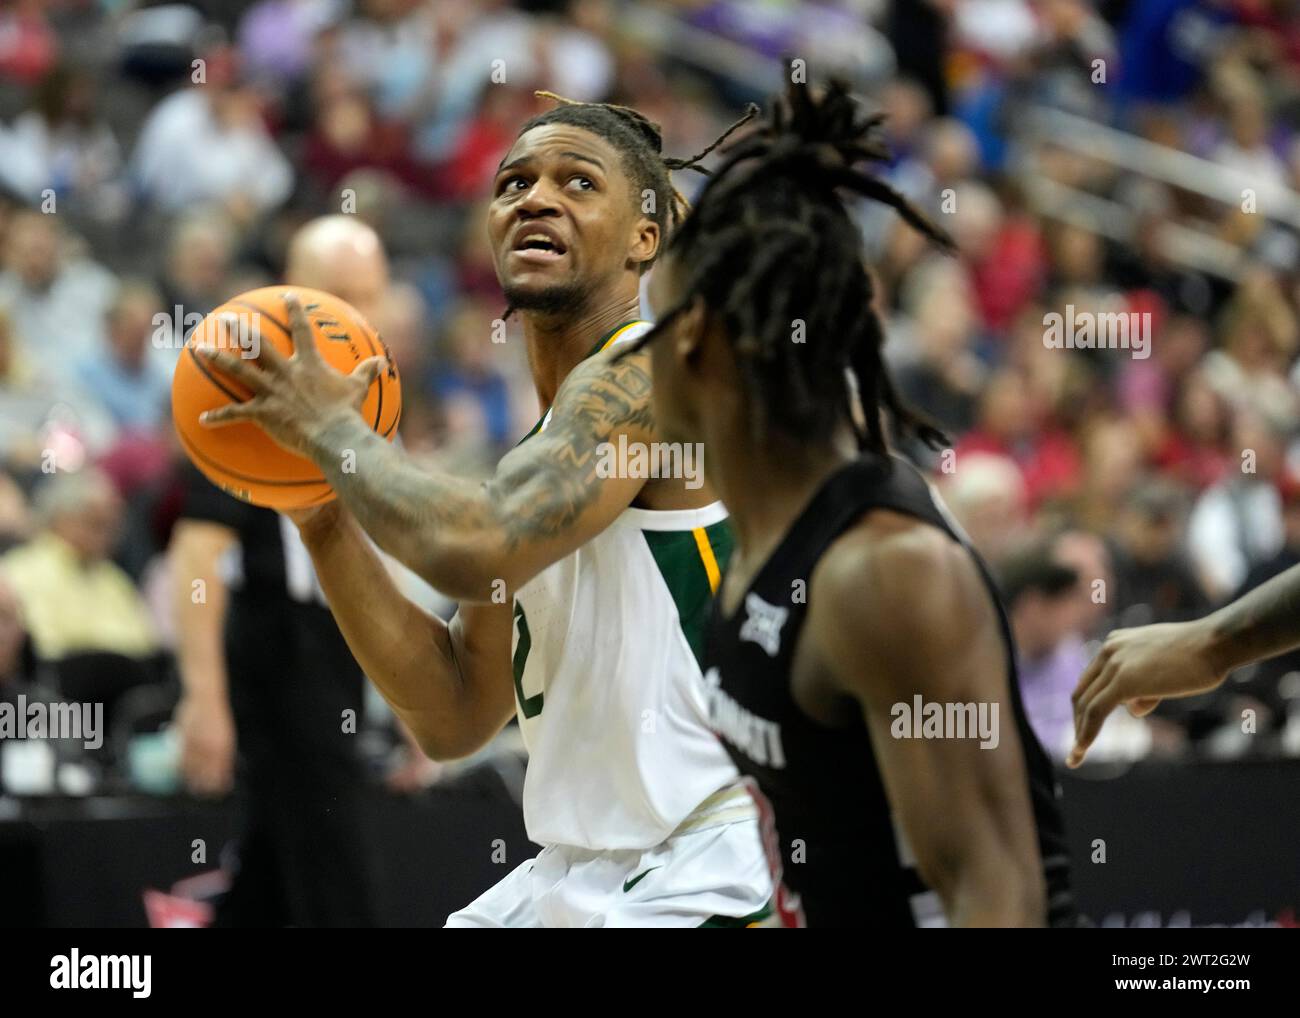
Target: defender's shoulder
892	582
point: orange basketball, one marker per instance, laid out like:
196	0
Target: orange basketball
240	458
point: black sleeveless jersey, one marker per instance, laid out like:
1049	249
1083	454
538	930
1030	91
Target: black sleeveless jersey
841	857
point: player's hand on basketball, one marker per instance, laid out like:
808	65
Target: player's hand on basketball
294	399
1139	668
207	733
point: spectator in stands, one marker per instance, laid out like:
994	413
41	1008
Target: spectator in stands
17	367
31	402
1153	580
56	298
1003	247
1149	390
946	159
469	371
986	494
131	384
348	134
1192	447
1078	269
208	144
387	46
402	319
1259	334
75	599
200	253
60	144
1237	523
907	109
938	367
15	520
28	45
1246	148
472	161
1262	683
1112	468
24	680
17	661
1040	595
1010	422
276	36
1087	554
1288	554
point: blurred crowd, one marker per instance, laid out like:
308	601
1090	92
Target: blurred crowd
1135	159
156	157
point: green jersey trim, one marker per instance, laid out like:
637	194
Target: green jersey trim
683	558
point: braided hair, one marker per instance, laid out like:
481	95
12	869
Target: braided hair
639	142
771	249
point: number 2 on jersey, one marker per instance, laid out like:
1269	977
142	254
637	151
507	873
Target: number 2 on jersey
531	706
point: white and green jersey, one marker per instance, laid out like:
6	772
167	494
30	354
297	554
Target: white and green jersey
610	696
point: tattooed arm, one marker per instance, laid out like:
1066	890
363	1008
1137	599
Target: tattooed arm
1140	667
546	498
449	682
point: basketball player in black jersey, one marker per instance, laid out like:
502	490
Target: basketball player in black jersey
859	665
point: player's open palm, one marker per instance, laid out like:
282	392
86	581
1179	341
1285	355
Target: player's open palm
294	399
1139	668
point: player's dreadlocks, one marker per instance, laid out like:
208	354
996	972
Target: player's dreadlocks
639	142
770	244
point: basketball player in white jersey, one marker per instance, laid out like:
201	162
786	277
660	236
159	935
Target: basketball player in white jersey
584	591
